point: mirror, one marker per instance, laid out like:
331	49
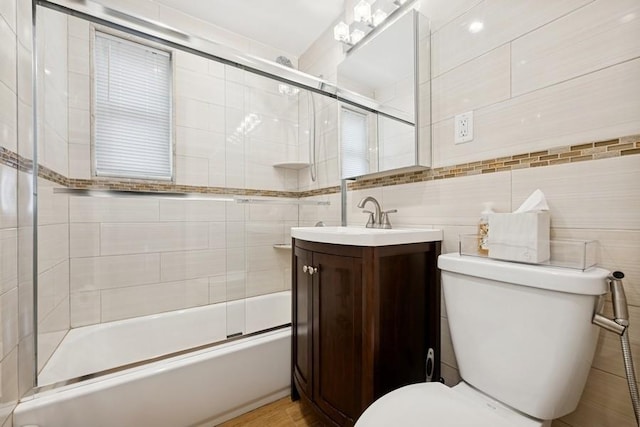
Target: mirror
382	75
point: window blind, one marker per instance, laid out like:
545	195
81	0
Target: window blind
354	142
132	109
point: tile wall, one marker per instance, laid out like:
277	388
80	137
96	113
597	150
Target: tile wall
16	328
540	76
105	259
136	256
9	307
56	85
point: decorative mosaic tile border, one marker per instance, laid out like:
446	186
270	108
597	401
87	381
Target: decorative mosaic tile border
13	160
154	187
628	145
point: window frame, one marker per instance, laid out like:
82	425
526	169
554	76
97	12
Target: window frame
371	156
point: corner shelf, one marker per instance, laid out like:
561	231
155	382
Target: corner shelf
292	165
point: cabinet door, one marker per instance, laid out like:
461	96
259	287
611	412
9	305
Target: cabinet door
337	346
302	321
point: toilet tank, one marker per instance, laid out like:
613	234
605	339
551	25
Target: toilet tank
522	333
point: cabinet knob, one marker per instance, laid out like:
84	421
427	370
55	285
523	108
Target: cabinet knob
304	268
312	270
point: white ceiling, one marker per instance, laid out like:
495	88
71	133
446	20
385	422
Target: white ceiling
288	25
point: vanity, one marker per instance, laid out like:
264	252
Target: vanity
366	315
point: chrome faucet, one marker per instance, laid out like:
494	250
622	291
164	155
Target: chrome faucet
379	218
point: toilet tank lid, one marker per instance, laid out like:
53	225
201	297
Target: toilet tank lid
588	282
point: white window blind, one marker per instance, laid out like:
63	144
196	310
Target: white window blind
132	108
354	142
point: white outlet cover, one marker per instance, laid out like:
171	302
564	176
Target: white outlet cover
463	124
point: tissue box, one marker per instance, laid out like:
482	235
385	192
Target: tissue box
522	237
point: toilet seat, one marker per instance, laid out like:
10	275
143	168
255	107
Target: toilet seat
435	404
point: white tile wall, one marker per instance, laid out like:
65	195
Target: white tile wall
576	44
503	20
85	209
53	289
148	299
10	394
8	259
456	201
192	264
191	113
199	86
8	186
78	166
84	308
79	131
453	92
192	171
191	210
590	195
96	273
8	117
137	238
8	53
8	321
593	107
53	245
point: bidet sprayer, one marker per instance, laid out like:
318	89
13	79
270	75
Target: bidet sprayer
619	325
619	299
620	320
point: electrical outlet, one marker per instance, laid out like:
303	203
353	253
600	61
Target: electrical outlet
463	127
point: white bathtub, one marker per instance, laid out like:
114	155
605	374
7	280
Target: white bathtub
204	387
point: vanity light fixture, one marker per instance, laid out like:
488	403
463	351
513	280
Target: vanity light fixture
364	20
341	32
378	17
362	12
356	36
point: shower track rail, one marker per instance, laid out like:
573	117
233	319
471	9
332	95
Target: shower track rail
174	38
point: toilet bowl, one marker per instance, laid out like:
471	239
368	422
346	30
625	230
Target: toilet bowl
523	340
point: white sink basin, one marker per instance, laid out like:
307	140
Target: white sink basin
361	236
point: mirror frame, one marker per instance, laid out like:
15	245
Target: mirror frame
422	159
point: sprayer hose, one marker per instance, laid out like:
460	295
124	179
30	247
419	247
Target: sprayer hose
631	375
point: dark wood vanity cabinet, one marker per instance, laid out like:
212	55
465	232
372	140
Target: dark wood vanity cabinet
364	319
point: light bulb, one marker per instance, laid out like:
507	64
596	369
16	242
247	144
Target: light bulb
362	12
378	17
341	32
356	36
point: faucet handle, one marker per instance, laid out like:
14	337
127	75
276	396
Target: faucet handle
372	219
384	218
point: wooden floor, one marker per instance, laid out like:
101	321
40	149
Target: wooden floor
281	413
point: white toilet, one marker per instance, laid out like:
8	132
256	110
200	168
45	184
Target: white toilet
524	343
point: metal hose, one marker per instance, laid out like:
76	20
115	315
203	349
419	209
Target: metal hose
631	375
620	325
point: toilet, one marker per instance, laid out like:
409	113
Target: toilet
523	340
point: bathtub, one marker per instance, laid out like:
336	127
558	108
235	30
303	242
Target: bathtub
198	388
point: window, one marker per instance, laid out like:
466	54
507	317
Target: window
132	110
354	143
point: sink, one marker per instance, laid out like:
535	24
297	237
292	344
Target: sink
361	236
